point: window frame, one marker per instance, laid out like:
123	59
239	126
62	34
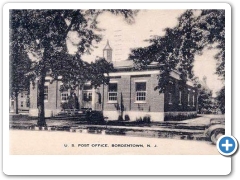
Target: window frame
142	96
170	98
46	94
188	97
64	93
180	98
115	92
88	92
193	99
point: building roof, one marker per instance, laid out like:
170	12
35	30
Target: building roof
123	64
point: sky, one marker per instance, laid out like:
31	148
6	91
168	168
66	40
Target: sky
123	37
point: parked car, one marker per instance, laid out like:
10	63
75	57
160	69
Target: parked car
216	129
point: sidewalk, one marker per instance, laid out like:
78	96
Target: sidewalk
192	129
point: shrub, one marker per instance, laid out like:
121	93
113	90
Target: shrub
94	116
127	118
147	119
172	116
120	118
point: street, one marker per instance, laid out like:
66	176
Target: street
27	142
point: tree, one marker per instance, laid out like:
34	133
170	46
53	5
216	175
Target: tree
177	48
212	23
205	103
221	100
98	71
19	67
195	30
43	33
174	50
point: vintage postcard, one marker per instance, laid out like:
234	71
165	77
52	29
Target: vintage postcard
118	79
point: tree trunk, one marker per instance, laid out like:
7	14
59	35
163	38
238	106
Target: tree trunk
40	97
16	104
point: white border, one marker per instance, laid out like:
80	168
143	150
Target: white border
127	165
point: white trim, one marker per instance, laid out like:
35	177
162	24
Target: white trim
113	81
134	73
112	102
48	78
140	80
189	83
87	83
140	102
175	75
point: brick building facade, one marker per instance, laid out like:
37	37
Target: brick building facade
130	93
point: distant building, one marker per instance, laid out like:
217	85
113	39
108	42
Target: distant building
130	93
23	103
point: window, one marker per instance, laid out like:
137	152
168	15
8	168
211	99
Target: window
45	92
27	103
141	91
21	95
87	95
193	100
112	92
64	96
21	103
169	98
180	97
193	103
188	98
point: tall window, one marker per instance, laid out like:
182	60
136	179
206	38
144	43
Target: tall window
193	100
188	97
180	97
27	103
141	91
21	95
21	103
45	92
64	96
87	93
169	98
112	92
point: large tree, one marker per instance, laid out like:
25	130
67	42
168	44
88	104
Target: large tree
177	48
196	29
44	34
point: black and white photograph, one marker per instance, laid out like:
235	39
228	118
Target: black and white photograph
116	81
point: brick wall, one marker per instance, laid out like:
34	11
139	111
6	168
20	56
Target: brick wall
126	86
186	103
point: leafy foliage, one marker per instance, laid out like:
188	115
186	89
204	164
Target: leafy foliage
19	64
44	33
221	100
177	48
205	101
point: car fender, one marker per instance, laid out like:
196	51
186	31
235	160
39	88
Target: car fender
212	128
